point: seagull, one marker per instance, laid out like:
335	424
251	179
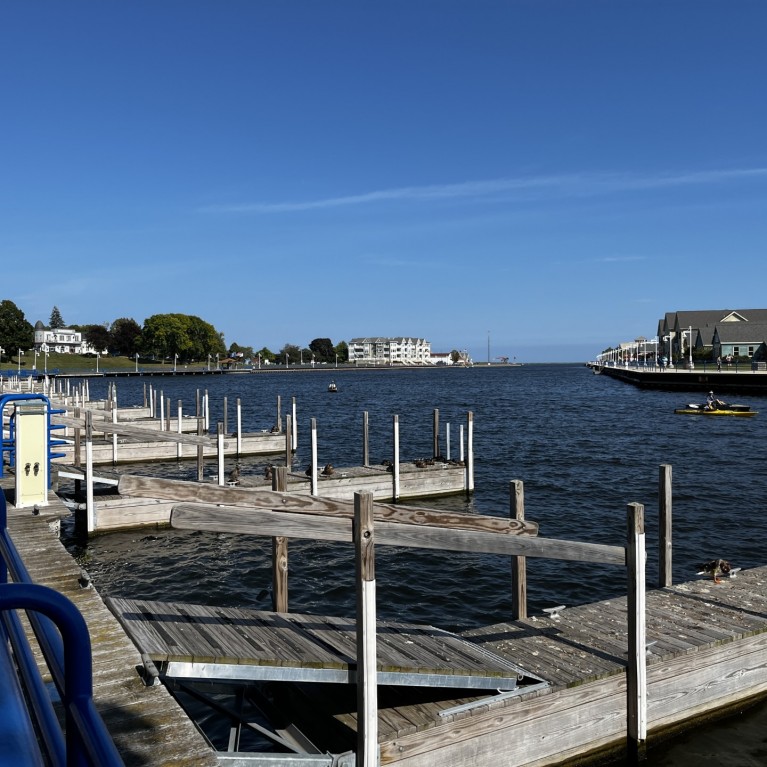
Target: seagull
715	568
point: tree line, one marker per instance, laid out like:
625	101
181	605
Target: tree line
162	336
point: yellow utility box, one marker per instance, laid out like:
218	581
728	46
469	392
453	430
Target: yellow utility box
31	454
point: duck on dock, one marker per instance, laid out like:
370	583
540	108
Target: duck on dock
715	568
234	475
328	470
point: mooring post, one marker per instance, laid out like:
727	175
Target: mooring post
435	434
280	550
636	671
114	438
365	440
226	415
470	451
395	466
91	511
179	428
665	576
294	436
279	413
367	674
288	441
220	452
313	468
200	448
518	564
168	415
162	411
239	427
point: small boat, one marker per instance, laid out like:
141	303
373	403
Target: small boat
332	386
723	409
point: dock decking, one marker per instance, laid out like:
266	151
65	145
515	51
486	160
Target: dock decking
707	649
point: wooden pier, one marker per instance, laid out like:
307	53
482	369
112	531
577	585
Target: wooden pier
148	727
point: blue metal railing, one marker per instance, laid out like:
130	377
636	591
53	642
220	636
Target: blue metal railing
63	638
9	445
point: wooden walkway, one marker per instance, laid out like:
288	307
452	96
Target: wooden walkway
194	641
707	649
147	725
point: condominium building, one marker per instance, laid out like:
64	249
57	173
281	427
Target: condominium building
390	351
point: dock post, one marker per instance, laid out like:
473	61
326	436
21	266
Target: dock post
200	448
294	437
313	471
435	434
167	414
460	443
179	406
114	438
367	674
365	440
470	452
395	466
220	452
636	671
226	415
162	411
447	440
239	427
518	564
288	440
665	576
279	413
90	510
280	551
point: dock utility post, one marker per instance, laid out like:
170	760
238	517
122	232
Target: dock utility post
31	429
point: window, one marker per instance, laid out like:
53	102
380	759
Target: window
736	351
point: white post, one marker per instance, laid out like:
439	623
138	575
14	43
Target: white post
180	418
395	467
313	474
90	510
636	683
295	426
470	454
447	440
460	442
220	446
162	412
367	672
114	439
239	427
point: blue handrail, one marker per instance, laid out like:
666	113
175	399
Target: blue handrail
63	637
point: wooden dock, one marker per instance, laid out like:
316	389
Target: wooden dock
148	726
707	649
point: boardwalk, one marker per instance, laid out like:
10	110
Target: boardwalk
149	728
707	648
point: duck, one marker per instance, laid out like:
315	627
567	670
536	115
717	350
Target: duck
715	568
268	472
234	475
328	470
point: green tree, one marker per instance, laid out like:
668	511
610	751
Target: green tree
15	332
96	336
342	350
266	355
290	353
124	337
245	351
165	335
56	321
322	349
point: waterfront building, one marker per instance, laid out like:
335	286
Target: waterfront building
62	341
402	350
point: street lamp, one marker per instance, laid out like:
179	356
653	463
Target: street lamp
97	361
46	362
209	363
217	367
175	361
259	360
136	362
19	359
336	359
34	364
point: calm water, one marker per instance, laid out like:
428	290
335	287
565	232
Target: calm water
584	445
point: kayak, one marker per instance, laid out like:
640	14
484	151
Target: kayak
726	409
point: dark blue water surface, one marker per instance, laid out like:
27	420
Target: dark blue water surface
584	445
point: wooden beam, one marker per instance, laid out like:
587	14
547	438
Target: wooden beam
226	519
130	430
183	491
518	564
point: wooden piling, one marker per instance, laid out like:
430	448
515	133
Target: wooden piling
280	551
435	433
518	563
665	575
367	690
365	440
313	468
636	671
220	451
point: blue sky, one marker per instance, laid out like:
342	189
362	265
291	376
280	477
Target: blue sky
549	176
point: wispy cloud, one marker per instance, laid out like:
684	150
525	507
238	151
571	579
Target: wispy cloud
523	187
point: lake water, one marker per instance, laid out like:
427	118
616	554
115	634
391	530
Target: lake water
584	445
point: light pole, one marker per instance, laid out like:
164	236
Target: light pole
97	361
19	360
209	363
175	361
137	362
34	364
46	362
259	360
336	360
217	361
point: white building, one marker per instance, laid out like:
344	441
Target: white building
390	351
61	341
